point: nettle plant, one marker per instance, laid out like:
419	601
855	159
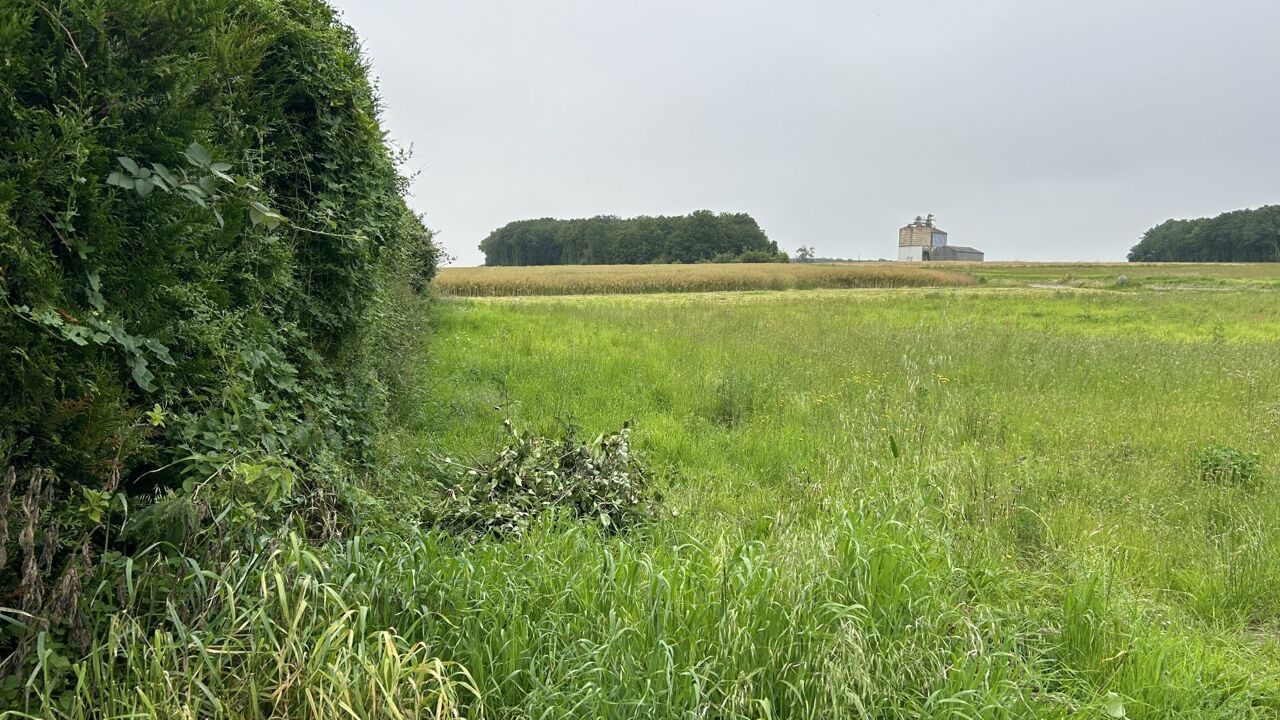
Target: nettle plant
601	481
1228	467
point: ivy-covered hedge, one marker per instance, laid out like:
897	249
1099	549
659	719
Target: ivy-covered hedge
199	222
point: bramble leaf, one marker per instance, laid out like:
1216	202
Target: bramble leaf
198	155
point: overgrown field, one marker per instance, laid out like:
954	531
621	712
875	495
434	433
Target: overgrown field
906	503
606	279
703	277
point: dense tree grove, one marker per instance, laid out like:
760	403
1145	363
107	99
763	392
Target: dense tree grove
701	236
1236	236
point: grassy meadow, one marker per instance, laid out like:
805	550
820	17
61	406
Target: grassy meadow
986	501
974	502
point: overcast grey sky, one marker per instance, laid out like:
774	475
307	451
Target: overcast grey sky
1033	129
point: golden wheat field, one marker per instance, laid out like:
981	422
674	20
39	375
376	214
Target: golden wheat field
606	279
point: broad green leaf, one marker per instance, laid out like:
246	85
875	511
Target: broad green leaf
48	317
195	198
120	180
265	214
198	155
158	349
141	375
128	164
143	186
168	176
1113	706
77	334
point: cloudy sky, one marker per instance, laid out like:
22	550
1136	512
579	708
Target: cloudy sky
1033	129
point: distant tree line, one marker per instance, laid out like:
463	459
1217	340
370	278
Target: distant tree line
701	236
1236	236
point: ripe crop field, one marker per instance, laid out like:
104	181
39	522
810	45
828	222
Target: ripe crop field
627	279
604	279
1154	276
975	502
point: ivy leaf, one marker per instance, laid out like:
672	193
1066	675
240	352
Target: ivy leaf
128	164
198	156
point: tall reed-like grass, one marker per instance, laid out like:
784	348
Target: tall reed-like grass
276	633
868	617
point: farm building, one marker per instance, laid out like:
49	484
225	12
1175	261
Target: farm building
922	240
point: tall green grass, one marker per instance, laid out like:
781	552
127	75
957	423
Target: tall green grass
896	504
1037	444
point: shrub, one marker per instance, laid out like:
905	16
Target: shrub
763	256
601	482
1222	465
198	218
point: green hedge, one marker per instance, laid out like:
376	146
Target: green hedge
199	224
